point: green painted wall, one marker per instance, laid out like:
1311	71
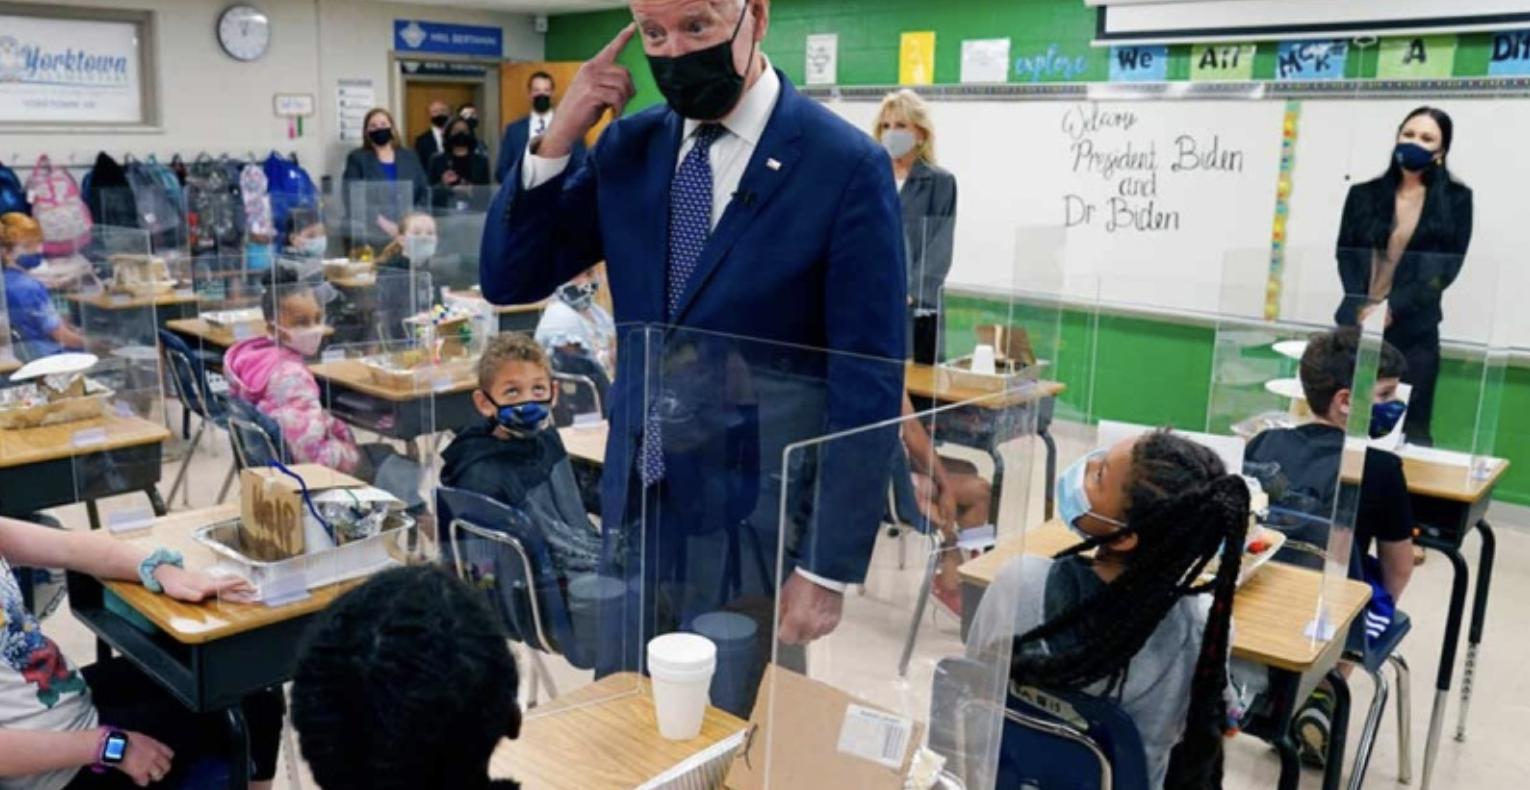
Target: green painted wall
1145	371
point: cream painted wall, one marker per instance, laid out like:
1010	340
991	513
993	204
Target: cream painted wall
209	102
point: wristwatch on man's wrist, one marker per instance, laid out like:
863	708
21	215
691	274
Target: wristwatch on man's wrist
114	744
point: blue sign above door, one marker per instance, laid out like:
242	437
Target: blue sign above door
417	35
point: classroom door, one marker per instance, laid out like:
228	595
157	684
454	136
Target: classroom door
418	95
515	104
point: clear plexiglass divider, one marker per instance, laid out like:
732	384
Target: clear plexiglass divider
1291	400
890	680
112	414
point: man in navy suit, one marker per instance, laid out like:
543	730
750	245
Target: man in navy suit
740	210
512	144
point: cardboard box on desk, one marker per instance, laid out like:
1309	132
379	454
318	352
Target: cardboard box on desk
1010	343
810	734
272	514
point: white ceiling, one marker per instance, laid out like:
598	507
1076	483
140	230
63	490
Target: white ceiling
524	6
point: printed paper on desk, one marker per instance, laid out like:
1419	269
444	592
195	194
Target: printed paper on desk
805	733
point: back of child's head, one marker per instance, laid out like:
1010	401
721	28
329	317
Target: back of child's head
283	283
507	348
17	229
1328	365
1184	508
406	682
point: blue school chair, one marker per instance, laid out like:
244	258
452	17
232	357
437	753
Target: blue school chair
1069	739
197	396
577	395
1047	739
501	551
255	438
1373	658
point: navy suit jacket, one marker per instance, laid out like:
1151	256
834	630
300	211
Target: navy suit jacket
808	255
512	146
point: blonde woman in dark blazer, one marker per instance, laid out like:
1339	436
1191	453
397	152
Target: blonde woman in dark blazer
928	194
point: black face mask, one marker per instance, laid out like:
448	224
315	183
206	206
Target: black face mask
440	121
380	137
541	103
461	140
702	85
472	123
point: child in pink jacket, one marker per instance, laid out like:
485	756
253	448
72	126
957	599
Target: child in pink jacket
272	374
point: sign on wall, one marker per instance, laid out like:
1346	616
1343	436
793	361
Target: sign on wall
822	59
417	35
69	70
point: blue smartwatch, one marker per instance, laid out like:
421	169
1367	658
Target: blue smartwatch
152	563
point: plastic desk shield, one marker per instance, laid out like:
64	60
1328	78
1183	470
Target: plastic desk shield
1302	396
149	205
459	213
113	414
375	212
892	509
8	358
1450	436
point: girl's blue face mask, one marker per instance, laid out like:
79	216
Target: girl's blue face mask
30	261
524	418
1073	498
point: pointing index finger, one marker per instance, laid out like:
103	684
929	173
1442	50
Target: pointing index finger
611	50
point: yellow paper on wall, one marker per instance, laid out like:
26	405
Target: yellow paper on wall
916	58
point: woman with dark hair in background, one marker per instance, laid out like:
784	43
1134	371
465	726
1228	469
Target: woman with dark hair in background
1403	239
458	165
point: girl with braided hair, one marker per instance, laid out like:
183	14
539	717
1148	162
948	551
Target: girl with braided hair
1134	622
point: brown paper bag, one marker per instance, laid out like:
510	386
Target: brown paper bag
804	733
272	510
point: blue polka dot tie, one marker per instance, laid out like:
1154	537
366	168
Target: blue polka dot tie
690	223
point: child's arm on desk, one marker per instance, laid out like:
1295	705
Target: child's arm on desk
104	557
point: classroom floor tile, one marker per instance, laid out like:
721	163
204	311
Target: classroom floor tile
877	622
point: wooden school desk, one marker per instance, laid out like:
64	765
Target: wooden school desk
983	430
586	443
211	655
403	413
9	365
81	461
513	317
579	742
1271	611
94	312
201	334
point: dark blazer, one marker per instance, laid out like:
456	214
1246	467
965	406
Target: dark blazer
362	165
1429	265
793	269
425	145
512	144
929	227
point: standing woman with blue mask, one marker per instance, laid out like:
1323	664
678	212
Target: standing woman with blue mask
35	323
928	196
1403	239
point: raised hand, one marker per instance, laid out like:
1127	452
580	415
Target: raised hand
600	84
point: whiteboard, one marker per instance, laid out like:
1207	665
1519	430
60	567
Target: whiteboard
1205	238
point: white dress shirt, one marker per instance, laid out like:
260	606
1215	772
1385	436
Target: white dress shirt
730	155
539	123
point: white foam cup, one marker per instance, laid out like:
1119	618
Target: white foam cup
681	666
983	359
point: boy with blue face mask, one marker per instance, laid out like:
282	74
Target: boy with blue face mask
516	457
1299	469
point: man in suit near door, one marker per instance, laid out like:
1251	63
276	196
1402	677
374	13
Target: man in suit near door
431	141
518	134
740	210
